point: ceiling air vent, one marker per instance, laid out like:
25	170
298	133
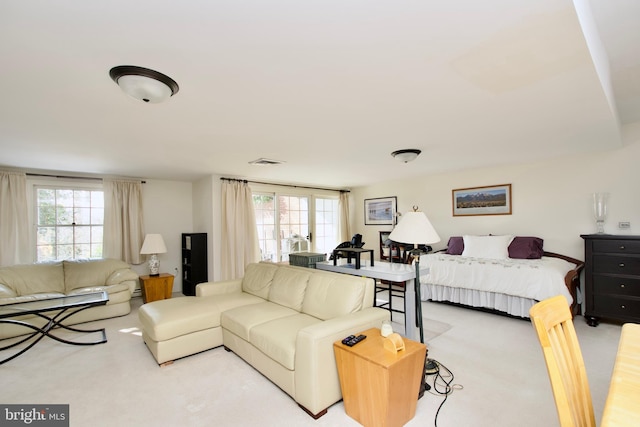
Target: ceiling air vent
265	162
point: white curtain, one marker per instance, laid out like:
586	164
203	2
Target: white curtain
240	245
14	225
345	228
123	220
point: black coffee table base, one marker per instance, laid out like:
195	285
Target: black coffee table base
53	322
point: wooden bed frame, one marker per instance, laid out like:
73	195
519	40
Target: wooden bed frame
571	280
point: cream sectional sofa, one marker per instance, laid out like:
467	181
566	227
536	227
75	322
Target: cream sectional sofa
280	319
49	280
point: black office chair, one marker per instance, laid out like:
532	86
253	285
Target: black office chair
356	242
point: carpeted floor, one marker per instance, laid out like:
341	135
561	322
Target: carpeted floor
500	378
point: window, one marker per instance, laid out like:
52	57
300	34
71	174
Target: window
69	223
287	225
327	222
266	223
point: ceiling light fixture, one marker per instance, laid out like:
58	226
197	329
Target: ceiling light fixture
144	84
406	155
265	162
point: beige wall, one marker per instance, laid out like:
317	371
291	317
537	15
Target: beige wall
168	211
206	214
551	200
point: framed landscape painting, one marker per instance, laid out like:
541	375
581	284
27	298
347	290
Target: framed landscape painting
380	211
494	200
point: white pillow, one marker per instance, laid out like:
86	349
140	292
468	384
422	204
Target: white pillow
492	247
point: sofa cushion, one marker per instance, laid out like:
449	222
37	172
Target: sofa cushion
116	293
169	318
526	248
241	320
228	301
288	287
82	273
258	277
332	295
177	313
29	298
30	279
455	245
489	247
121	275
277	338
7	292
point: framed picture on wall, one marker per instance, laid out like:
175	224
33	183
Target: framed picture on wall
380	211
493	200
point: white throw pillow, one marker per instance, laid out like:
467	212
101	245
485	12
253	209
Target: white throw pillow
492	247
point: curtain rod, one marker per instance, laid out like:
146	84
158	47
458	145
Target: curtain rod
69	177
283	185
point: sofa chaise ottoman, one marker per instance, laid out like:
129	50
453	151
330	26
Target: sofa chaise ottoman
282	320
28	282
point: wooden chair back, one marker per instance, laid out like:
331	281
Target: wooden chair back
553	323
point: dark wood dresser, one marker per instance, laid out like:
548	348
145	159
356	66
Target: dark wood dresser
612	278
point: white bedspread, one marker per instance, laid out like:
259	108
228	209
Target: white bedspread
536	279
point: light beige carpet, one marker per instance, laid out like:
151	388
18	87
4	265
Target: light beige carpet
497	361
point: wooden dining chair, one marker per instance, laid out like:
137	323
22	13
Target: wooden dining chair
553	323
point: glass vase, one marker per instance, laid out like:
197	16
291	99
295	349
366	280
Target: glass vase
600	210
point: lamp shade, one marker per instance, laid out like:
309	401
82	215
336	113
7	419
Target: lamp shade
153	244
414	228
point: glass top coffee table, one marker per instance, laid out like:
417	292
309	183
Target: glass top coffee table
54	311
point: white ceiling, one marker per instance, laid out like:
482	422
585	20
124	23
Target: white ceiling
329	87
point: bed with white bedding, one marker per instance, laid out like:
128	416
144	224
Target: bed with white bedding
508	285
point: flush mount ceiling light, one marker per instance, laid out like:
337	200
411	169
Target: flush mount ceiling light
144	84
265	162
406	155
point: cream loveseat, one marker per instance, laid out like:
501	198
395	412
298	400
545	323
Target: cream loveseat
29	282
280	319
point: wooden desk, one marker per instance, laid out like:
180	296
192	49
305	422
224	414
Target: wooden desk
156	287
622	407
380	388
394	272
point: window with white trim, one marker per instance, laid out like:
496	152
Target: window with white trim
286	224
327	225
69	223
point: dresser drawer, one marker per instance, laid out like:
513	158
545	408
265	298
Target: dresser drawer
616	264
616	307
611	285
616	246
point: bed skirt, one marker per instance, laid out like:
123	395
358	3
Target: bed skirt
515	306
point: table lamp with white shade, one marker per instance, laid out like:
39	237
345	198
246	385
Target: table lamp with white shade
153	245
415	228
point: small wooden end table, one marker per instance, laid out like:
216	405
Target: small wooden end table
379	387
156	287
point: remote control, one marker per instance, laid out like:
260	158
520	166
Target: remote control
355	340
348	339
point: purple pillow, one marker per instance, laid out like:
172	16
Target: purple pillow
455	245
526	248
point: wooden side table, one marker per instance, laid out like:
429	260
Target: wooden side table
156	287
380	388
